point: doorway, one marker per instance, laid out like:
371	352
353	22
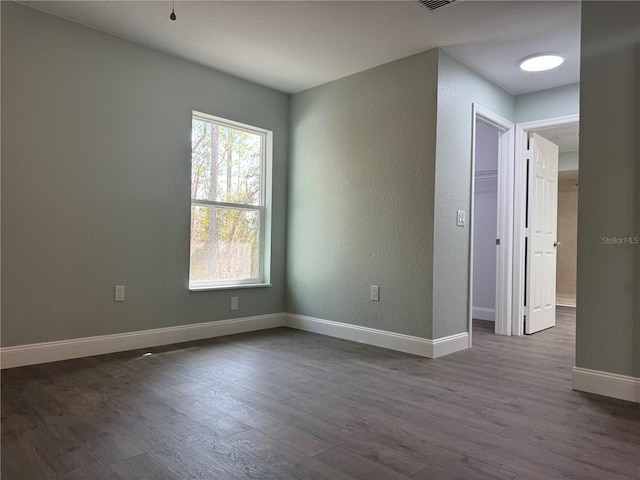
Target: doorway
566	137
485	222
511	207
521	233
492	265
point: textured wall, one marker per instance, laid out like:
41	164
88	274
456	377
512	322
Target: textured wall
608	325
95	186
553	102
361	197
95	181
458	88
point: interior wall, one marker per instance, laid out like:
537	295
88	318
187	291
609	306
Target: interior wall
548	103
361	197
608	309
568	161
485	221
106	200
566	273
334	128
96	182
459	87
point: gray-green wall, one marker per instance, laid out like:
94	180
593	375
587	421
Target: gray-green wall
608	289
549	103
96	186
458	88
361	186
380	162
568	161
95	182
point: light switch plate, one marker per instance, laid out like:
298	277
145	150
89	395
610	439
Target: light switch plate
375	293
119	293
461	218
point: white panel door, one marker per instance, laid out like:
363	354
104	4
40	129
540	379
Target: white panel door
542	243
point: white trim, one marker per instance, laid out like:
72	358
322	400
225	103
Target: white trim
263	209
206	286
602	383
451	344
504	257
519	212
482	313
380	338
35	353
504	267
607	384
486	174
84	347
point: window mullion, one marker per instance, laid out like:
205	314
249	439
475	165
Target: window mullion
210	203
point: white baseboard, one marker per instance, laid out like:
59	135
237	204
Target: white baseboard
482	313
607	384
35	353
451	344
381	338
84	347
565	301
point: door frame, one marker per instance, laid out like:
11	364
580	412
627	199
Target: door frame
519	210
504	256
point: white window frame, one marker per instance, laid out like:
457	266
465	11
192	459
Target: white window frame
264	261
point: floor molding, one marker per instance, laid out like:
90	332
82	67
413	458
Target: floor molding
35	353
565	300
482	313
608	384
381	338
451	344
592	381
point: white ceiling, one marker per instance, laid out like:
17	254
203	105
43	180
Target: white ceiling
295	45
566	137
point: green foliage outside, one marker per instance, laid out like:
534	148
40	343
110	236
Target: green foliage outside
225	167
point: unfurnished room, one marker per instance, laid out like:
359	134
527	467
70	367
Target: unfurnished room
320	240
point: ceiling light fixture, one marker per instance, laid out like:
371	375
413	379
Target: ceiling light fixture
541	62
173	13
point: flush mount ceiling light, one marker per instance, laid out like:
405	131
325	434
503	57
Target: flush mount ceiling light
541	62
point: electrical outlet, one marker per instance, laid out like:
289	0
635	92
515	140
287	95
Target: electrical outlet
234	303
375	293
119	293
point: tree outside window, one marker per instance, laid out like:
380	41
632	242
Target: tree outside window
227	203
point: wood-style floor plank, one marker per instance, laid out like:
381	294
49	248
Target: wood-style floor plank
289	434
357	466
235	460
285	457
464	468
142	467
291	405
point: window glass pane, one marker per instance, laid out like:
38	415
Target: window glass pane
226	164
224	243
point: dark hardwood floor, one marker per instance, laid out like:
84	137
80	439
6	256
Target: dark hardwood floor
285	404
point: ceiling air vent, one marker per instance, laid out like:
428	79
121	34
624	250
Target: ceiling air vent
434	4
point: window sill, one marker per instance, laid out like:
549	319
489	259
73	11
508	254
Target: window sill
227	287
